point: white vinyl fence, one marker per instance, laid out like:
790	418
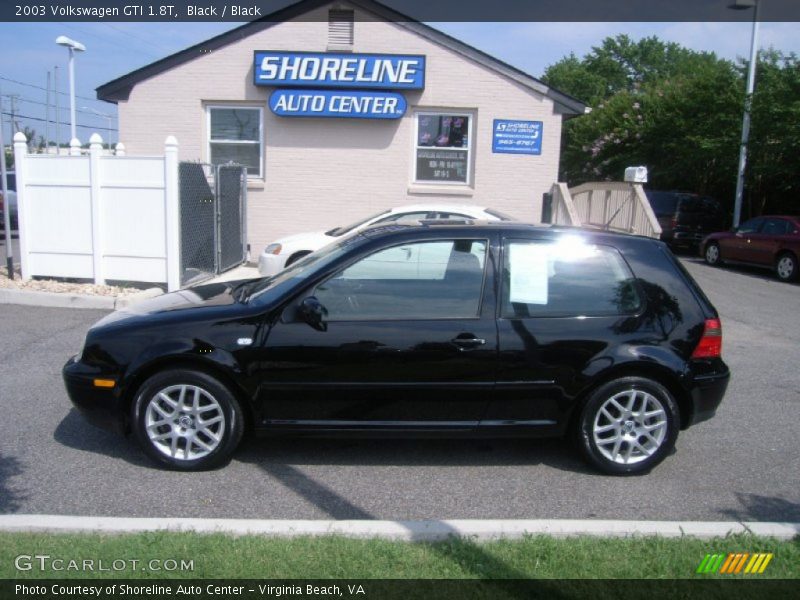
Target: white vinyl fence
99	217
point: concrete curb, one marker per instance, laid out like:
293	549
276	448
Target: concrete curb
64	300
480	529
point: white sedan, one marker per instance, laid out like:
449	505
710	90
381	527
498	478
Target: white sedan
283	252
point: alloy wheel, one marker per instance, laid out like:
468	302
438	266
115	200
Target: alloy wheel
630	427
184	422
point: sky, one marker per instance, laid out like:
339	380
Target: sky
114	49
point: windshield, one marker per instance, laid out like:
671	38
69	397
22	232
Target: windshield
273	287
339	231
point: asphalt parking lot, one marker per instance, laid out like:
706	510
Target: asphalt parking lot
742	465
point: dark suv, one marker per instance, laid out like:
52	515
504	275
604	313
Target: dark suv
490	329
685	218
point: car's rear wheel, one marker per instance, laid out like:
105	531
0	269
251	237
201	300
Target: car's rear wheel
187	420
628	426
786	267
712	254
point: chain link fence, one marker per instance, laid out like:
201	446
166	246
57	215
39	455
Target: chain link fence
212	204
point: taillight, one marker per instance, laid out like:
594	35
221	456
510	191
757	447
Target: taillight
710	345
673	223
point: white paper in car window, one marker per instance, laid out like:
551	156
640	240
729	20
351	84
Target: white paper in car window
529	273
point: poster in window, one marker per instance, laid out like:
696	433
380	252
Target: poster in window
442	165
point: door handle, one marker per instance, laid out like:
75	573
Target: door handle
467	342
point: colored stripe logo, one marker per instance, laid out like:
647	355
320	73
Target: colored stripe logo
735	563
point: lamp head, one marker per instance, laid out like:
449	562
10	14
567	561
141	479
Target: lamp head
742	4
63	40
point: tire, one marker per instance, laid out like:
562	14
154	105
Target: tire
297	256
614	437
712	254
187	420
786	267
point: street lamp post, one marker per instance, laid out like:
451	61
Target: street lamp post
73	47
748	102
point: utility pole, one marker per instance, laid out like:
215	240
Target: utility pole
7	211
47	118
58	116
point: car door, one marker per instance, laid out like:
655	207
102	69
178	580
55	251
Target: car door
737	246
397	349
764	245
560	304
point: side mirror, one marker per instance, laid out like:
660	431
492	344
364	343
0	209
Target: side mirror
314	313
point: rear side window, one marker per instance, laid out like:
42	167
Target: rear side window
566	278
775	227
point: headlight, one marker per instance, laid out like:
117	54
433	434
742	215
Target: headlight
273	249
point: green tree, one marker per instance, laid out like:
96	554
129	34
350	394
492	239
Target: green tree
679	113
774	148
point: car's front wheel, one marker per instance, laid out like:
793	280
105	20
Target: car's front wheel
187	420
628	425
712	254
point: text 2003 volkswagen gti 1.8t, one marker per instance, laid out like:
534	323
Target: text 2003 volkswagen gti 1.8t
492	329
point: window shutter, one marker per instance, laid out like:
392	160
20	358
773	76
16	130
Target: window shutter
340	28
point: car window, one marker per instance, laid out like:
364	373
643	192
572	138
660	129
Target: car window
775	227
441	279
662	203
750	226
566	278
452	215
691	204
340	231
409	216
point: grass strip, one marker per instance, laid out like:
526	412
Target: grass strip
258	557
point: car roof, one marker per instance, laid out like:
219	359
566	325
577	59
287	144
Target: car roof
462	226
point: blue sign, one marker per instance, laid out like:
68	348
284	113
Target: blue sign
337	103
517	137
368	71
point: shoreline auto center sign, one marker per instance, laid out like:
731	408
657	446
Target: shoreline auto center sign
517	137
300	72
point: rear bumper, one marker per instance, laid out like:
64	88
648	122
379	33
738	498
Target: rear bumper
707	393
102	407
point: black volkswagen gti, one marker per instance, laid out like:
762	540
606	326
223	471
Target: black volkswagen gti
489	329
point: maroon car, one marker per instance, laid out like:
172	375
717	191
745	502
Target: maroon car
768	241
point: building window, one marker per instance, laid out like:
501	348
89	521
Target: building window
443	148
235	134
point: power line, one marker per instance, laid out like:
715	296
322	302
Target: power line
141	39
38	87
61	108
76	125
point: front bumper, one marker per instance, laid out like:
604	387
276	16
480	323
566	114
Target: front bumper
102	407
270	264
707	392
